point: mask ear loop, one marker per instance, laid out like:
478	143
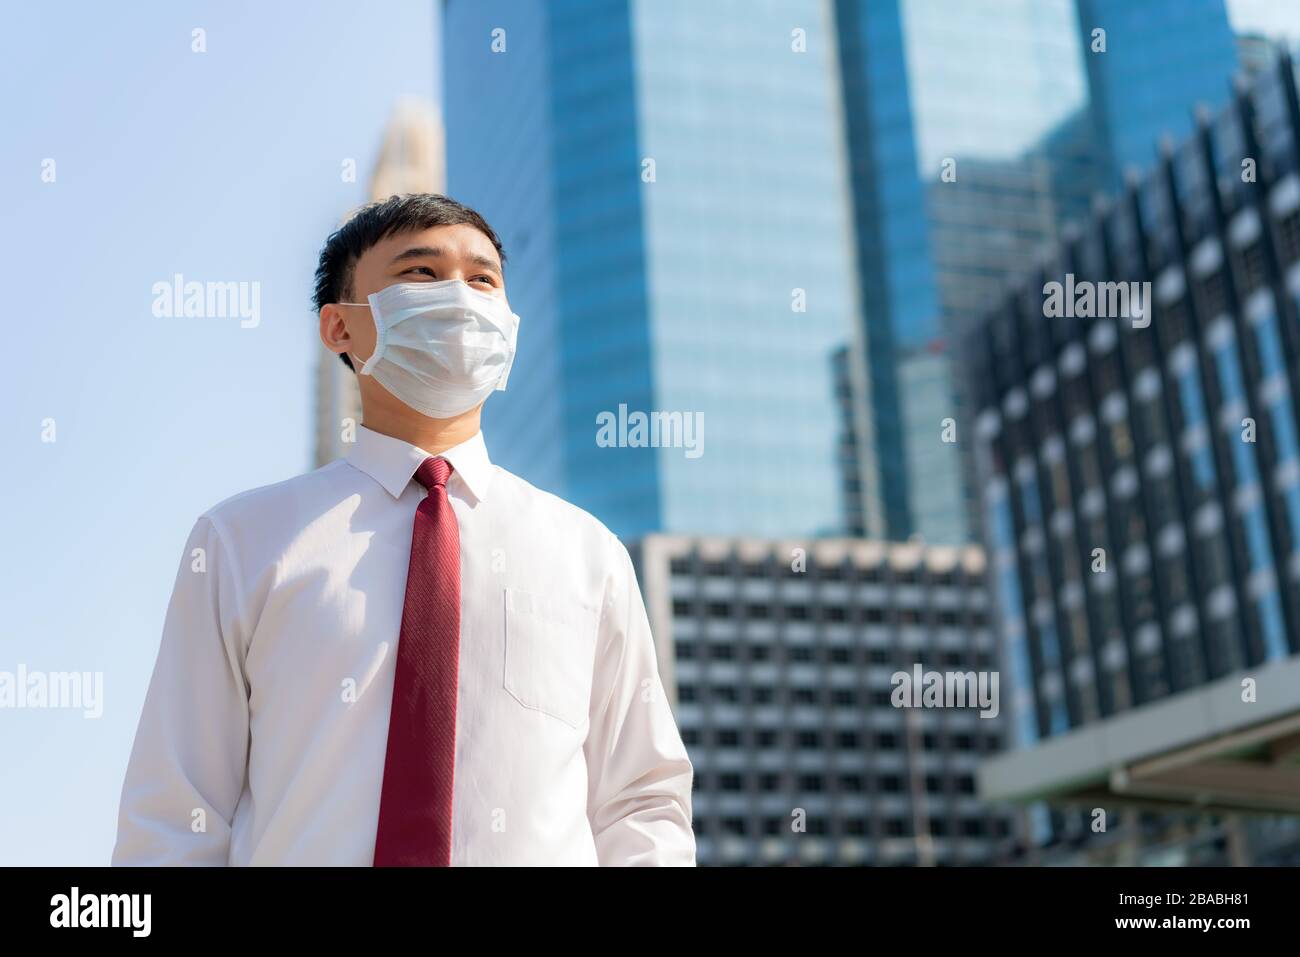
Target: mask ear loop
381	337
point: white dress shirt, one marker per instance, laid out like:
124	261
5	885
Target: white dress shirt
264	730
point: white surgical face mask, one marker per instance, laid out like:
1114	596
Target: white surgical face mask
440	347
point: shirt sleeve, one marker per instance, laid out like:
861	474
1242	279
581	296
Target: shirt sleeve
189	761
639	774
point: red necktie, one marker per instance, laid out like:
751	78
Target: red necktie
415	804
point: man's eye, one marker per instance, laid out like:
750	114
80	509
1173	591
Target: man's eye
424	269
486	279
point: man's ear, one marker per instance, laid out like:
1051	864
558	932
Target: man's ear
333	331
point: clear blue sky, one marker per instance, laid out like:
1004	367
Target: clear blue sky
1277	18
221	166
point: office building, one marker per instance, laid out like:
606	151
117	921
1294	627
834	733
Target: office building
849	172
669	179
977	130
780	656
1138	459
1161	58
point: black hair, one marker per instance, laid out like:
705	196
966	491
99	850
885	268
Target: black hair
379	220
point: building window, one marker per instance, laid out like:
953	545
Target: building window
734	825
811	782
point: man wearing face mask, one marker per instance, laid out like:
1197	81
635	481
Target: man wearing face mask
409	657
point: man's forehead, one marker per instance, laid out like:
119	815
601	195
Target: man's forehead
460	239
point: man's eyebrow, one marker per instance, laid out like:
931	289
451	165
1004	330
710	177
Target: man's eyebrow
419	252
486	263
437	252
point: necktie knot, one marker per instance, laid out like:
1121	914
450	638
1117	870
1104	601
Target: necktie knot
433	472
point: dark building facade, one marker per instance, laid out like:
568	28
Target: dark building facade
1138	459
779	656
1165	437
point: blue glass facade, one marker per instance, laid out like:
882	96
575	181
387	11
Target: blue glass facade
1162	58
924	99
895	261
602	296
990	79
1012	122
675	173
500	158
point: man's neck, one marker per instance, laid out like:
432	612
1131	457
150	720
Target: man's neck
432	435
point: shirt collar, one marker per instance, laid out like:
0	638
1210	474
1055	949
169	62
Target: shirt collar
392	462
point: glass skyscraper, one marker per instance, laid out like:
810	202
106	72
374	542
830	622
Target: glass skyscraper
978	130
1140	88
670	182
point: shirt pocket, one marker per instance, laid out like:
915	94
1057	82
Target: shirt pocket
550	648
